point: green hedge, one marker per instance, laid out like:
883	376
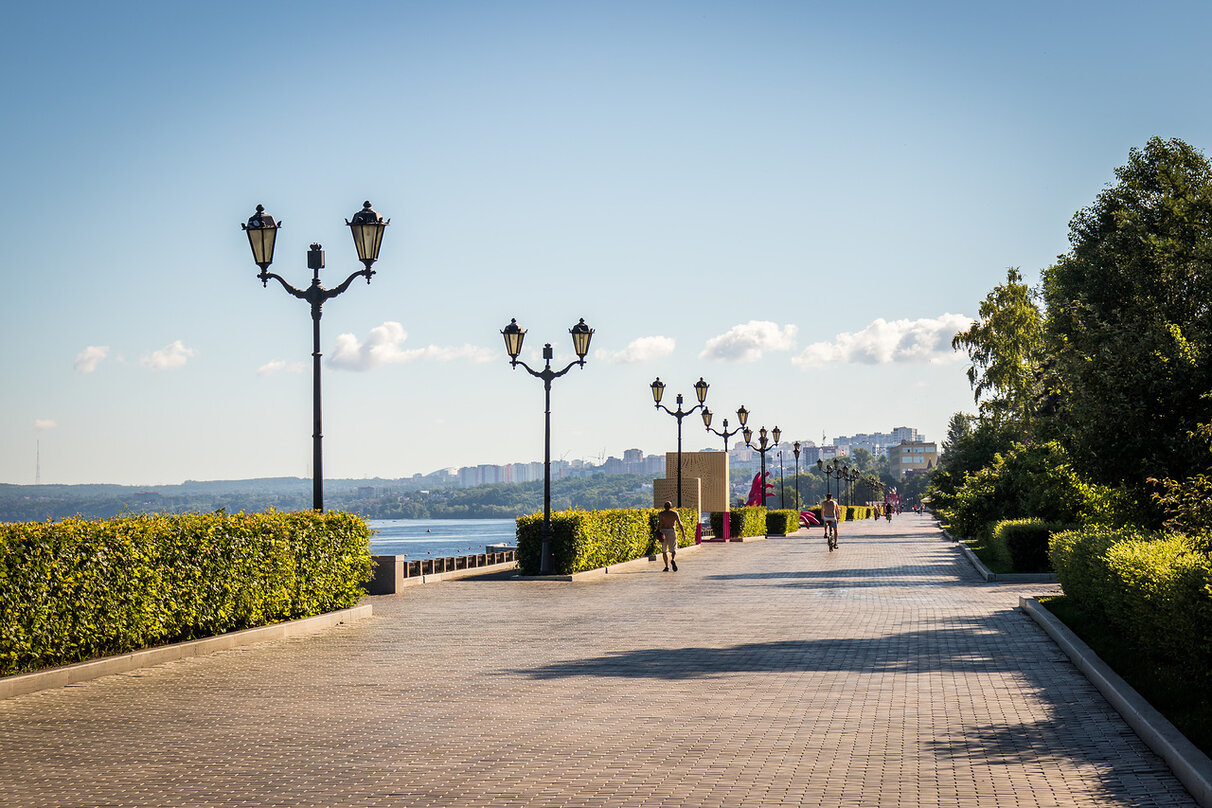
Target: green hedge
586	540
1023	543
79	588
1153	588
742	522
781	522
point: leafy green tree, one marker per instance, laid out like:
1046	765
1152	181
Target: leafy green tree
1129	320
1005	347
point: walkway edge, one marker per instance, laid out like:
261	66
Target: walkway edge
64	675
1192	767
601	572
1004	577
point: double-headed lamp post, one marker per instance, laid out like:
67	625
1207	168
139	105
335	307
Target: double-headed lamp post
514	334
742	415
834	470
796	449
367	229
700	391
851	477
761	449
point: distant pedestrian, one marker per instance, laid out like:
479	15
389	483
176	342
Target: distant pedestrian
830	513
669	522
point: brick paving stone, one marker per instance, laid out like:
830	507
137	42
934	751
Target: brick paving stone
767	673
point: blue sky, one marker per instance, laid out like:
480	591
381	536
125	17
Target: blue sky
787	199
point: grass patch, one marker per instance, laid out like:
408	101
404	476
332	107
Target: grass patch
988	556
1186	703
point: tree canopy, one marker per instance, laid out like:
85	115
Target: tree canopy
1129	319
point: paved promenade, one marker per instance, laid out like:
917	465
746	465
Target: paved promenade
761	674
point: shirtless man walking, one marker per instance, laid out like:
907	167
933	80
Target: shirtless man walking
667	521
830	513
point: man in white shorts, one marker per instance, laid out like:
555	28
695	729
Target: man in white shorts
669	522
830	513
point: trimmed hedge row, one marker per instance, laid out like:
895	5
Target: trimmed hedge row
782	521
847	513
1023	543
1153	588
586	540
743	521
82	588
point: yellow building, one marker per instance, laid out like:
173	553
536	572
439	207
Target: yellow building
912	456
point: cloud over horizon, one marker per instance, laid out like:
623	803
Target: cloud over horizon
638	350
882	342
43	424
88	359
277	365
748	341
384	346
173	355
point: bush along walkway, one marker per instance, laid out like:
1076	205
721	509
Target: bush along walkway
886	673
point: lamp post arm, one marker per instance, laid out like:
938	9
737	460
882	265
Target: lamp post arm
679	413
546	374
361	273
265	276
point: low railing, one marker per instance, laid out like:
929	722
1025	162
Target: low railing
433	566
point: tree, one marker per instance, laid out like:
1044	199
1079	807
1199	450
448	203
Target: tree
1129	320
1005	347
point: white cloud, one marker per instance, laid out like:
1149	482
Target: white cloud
638	350
279	365
43	424
88	359
747	342
173	355
883	342
384	346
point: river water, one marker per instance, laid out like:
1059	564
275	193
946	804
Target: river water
438	538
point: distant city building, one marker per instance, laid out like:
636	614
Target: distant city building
910	457
878	443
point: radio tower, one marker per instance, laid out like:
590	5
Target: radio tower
38	464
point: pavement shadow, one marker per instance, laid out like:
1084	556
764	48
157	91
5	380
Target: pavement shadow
950	648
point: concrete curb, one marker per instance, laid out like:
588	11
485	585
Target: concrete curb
595	574
1191	766
146	657
1004	577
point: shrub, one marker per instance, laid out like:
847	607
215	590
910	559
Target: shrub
782	522
586	540
1153	588
79	589
743	521
1023	543
1027	482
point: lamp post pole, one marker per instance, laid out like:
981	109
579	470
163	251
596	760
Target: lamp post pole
367	228
700	391
761	449
514	334
782	489
796	449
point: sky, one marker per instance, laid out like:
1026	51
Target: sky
799	202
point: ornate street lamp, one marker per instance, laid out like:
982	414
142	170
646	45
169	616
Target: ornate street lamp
782	489
832	470
700	391
367	229
796	448
742	415
514	334
761	449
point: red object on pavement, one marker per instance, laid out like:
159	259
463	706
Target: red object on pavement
808	519
698	533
